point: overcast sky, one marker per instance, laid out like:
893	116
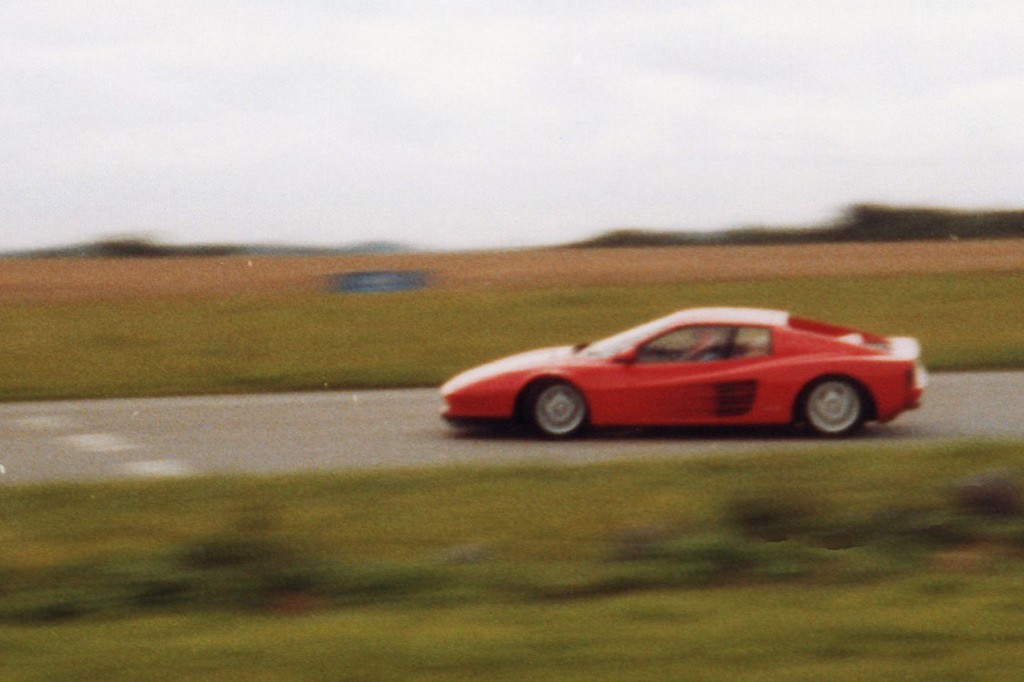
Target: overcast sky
476	125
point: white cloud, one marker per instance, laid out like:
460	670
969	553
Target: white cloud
465	125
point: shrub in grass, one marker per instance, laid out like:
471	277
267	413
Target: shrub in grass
245	569
66	592
907	531
46	605
779	562
771	516
237	551
993	493
651	558
380	583
727	559
253	570
146	582
634	543
707	560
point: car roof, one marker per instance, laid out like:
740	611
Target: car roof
757	316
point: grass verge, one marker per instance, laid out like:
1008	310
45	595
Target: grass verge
915	629
184	346
788	565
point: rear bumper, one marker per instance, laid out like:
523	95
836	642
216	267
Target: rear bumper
914	400
917	381
917	386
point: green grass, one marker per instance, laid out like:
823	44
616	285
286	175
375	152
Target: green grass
418	339
643	570
967	628
531	513
547	597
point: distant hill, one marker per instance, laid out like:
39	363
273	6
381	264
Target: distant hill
859	223
144	248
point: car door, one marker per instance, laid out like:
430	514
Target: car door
695	374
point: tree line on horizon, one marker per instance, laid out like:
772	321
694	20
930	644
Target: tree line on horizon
858	223
143	247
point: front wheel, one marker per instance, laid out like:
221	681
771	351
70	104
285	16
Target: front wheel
558	410
834	408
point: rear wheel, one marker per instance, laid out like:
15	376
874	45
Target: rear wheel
558	410
834	407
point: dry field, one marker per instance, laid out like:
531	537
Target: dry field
69	280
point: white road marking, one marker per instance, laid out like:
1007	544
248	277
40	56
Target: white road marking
44	422
98	442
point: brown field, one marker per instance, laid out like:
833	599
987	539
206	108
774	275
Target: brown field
68	280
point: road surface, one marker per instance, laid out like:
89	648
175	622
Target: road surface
98	439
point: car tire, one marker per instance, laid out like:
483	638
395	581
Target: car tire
833	408
558	410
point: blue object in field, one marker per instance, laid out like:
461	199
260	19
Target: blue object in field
379	281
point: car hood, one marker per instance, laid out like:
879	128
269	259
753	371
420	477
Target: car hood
534	359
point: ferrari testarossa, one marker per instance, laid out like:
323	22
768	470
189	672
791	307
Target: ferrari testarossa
703	366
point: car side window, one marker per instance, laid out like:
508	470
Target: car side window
752	342
707	343
688	344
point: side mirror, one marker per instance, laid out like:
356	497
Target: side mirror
626	357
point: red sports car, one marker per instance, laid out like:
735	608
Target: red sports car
704	366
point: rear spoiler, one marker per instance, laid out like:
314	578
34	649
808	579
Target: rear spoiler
902	347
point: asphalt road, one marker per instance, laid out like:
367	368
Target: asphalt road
98	439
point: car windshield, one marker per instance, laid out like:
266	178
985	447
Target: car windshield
613	345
